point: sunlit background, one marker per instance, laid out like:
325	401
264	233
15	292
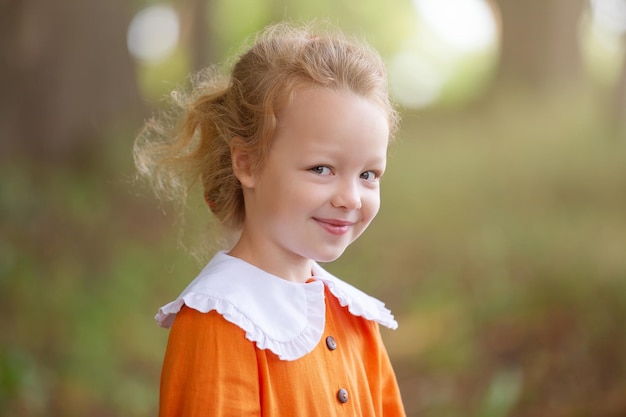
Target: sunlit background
500	247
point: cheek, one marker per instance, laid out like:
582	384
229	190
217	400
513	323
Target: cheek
278	191
371	204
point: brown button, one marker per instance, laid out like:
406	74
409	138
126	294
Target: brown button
331	343
342	396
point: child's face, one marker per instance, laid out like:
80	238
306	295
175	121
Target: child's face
318	189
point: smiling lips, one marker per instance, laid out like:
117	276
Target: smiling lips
335	226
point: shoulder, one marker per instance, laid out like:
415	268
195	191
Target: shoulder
358	302
192	325
188	316
203	351
207	338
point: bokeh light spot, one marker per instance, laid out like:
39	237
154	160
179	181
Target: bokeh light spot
414	81
610	14
153	33
466	24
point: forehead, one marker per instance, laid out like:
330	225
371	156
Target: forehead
320	118
317	108
306	92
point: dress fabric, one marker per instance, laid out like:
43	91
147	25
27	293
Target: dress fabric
211	369
246	343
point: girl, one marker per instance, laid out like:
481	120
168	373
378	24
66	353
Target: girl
289	152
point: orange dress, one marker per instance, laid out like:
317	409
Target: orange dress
214	366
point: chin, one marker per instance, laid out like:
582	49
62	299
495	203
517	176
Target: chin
328	257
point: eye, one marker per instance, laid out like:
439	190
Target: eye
321	170
369	176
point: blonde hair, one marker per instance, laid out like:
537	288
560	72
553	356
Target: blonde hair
175	151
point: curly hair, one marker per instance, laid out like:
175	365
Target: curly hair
192	143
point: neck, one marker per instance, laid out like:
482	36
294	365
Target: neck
290	268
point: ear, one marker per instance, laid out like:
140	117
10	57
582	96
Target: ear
241	167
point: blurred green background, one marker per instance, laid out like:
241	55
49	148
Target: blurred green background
500	246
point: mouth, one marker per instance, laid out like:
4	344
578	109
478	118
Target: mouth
335	226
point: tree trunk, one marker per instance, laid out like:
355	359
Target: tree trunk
202	50
619	106
540	42
66	75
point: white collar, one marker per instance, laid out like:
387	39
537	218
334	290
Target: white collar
285	317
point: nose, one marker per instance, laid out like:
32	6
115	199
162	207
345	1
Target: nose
347	195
